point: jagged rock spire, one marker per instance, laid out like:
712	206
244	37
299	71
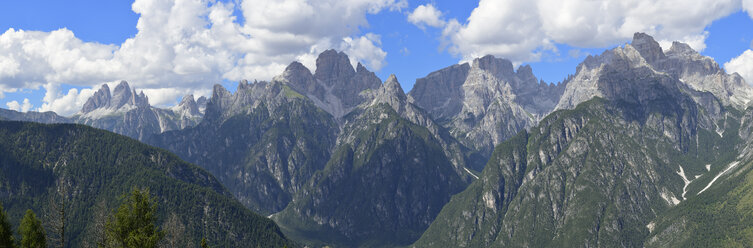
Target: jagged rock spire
121	96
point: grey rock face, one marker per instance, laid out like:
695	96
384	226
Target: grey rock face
593	176
486	102
681	62
441	93
335	86
129	113
263	142
392	95
201	103
100	99
598	173
123	95
648	47
388	175
41	117
187	107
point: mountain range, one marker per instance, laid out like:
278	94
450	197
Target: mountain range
123	111
641	147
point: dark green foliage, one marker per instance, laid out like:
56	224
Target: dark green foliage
204	243
592	176
101	166
721	216
6	232
133	222
382	187
262	154
32	233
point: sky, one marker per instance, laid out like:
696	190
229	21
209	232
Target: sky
55	54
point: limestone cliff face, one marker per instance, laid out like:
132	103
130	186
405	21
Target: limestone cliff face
695	71
335	86
123	111
263	142
391	171
486	102
126	112
629	143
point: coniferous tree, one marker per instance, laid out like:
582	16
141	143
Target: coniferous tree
175	233
32	233
133	222
204	243
95	234
6	233
57	216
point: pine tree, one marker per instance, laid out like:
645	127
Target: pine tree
6	233
133	223
175	233
95	234
32	233
57	216
204	243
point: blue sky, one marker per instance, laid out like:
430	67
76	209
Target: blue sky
378	32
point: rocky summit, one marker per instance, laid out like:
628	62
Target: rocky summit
630	149
335	86
487	101
641	147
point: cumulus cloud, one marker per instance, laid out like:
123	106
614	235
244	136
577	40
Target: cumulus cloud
190	45
64	103
743	65
523	30
164	97
748	7
365	48
426	15
20	107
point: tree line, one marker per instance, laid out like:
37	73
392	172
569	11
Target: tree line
130	225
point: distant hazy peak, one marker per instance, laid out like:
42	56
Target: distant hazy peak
187	107
121	96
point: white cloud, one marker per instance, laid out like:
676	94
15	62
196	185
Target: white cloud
365	48
748	7
426	15
523	30
164	97
190	45
64	104
20	107
743	65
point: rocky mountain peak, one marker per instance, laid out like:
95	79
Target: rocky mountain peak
121	96
501	68
100	99
647	47
187	106
392	87
219	92
335	86
220	97
332	65
361	69
681	48
525	73
390	93
296	68
202	103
